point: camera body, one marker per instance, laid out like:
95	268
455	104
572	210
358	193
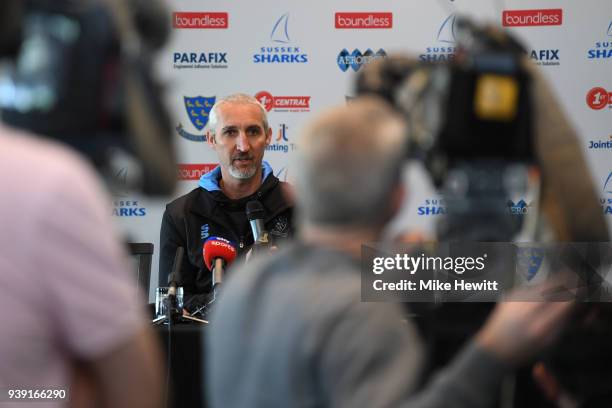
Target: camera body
470	123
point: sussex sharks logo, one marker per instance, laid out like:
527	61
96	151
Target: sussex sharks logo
446	33
198	109
444	47
280	32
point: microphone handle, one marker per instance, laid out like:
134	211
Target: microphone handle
259	230
173	279
217	272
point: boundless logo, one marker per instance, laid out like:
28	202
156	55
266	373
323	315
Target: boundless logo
197	109
200	60
444	50
519	208
356	59
601	144
283	54
199	20
283	103
433	206
545	57
364	20
282	144
602	49
598	98
524	18
194	171
606	199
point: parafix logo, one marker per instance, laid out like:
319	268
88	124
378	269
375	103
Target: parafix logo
598	98
363	20
283	103
199	20
523	18
194	171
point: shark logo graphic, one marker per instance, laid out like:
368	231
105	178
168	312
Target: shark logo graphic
280	32
446	33
288	53
609	32
608	184
444	47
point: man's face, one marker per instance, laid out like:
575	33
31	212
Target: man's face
240	139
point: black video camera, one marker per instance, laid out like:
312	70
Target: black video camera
82	73
470	122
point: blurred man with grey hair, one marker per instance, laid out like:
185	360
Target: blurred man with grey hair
291	331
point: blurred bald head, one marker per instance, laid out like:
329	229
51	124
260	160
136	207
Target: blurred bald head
349	162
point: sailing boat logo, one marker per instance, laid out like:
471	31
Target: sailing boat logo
608	184
444	50
446	33
280	52
280	33
610	29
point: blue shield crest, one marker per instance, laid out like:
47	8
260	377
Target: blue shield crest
529	261
198	109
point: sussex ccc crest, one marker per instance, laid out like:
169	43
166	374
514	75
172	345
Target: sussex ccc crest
197	108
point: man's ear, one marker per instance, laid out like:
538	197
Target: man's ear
210	139
269	136
546	381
